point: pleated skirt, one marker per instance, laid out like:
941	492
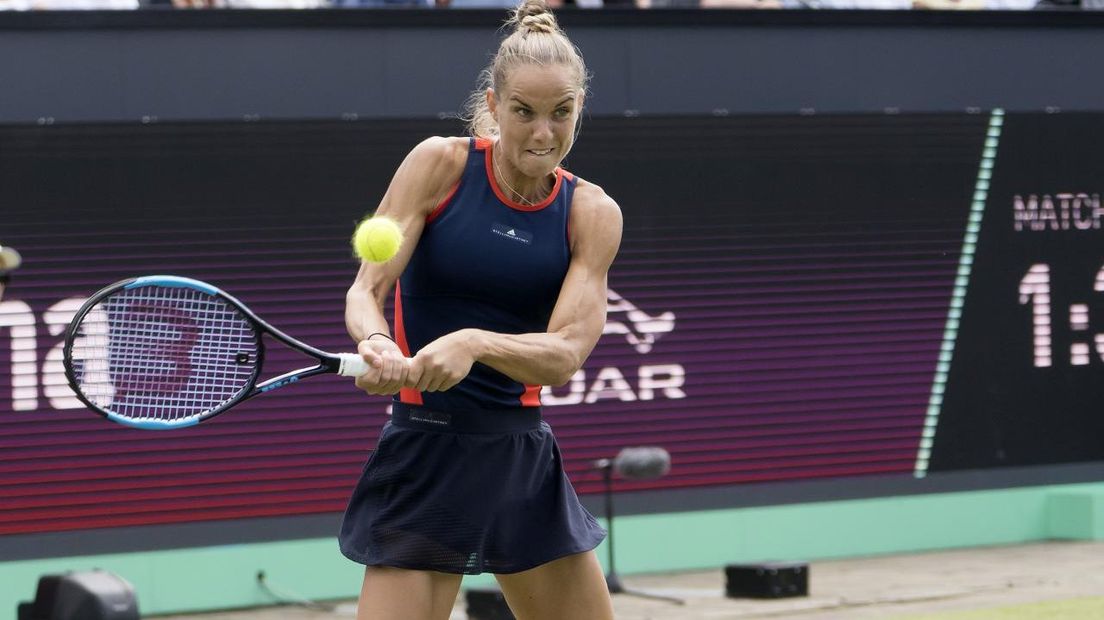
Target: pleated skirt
466	493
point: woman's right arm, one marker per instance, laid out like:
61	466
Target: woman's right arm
423	180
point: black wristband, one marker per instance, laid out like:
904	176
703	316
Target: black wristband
380	334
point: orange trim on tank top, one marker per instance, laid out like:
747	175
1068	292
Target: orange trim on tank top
444	203
531	397
488	147
409	396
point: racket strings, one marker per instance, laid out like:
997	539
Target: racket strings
164	353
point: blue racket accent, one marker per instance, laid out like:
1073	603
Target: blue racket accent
173	282
152	424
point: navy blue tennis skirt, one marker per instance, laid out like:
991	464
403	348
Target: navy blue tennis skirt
465	493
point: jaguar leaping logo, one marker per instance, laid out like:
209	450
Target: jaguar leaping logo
638	327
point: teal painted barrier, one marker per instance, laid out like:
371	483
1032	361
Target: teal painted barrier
225	577
1077	514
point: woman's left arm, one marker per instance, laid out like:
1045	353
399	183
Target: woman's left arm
551	357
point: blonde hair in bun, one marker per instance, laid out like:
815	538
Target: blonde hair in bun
535	38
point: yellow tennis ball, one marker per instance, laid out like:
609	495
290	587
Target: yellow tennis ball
377	239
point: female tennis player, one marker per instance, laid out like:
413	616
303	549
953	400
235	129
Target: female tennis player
501	289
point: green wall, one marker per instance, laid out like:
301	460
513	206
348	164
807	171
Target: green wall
225	576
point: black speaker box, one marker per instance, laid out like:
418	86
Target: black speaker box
88	595
770	580
487	604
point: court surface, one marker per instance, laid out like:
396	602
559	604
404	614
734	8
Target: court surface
1052	581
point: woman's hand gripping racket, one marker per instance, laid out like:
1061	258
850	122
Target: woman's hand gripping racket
161	352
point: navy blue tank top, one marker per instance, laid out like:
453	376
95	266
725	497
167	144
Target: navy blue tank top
486	262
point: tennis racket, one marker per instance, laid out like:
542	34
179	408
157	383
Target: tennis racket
163	352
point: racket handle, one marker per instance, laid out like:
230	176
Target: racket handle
352	365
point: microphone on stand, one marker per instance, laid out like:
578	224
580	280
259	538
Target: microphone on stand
638	463
642	463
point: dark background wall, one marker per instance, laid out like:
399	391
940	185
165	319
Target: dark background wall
126	66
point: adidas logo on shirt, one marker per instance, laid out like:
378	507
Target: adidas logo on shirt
512	233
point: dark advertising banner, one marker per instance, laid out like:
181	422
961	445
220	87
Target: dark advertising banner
777	311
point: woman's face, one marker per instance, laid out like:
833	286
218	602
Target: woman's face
536	111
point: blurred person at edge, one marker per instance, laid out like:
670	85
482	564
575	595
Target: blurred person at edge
936	5
68	5
9	262
975	5
721	4
250	4
242	4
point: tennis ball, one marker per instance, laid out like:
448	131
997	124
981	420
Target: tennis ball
377	239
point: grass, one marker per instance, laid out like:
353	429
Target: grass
1069	609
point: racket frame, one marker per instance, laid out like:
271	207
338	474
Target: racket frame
347	364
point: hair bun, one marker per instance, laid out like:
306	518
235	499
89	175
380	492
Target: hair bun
539	23
534	16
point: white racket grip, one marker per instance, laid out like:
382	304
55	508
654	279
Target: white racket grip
352	365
